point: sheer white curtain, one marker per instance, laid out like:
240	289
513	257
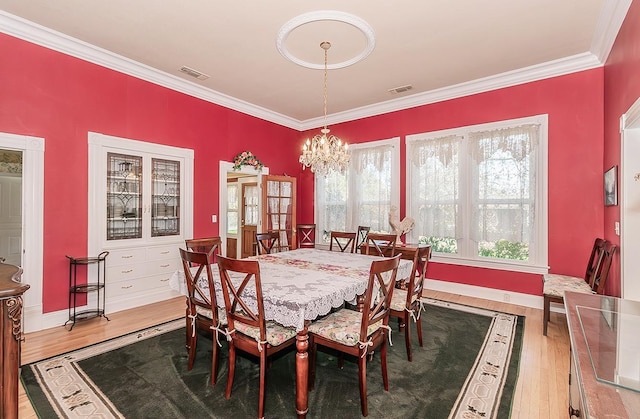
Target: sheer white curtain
503	194
331	204
435	187
364	194
370	184
479	193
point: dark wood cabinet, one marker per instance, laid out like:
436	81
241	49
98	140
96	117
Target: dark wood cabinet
11	290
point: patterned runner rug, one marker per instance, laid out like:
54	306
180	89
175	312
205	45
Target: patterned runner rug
467	369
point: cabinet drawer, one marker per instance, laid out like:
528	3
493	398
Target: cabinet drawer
156	281
160	267
164	252
125	256
133	286
126	287
125	272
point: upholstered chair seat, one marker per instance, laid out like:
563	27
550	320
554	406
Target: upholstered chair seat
276	333
342	326
555	285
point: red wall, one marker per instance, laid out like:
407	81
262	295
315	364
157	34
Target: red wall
622	89
47	94
574	104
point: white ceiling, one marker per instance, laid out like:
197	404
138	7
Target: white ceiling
442	48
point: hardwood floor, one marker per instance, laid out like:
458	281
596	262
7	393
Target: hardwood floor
541	392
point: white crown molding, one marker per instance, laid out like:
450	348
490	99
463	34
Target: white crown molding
609	22
568	65
40	35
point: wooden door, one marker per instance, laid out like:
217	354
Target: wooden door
249	220
279	208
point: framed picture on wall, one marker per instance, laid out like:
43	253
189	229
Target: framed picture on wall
611	186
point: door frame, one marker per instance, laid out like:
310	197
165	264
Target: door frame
629	216
32	223
224	168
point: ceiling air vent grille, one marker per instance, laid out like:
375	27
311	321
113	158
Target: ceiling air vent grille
401	89
193	73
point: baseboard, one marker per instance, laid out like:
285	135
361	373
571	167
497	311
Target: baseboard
492	294
34	320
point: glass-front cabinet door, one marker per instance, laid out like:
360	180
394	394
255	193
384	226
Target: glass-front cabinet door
124	196
165	206
143	197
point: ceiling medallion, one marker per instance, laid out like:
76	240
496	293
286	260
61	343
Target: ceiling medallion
323	15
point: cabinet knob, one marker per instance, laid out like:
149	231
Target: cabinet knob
127	256
165	266
126	287
574	412
127	271
165	252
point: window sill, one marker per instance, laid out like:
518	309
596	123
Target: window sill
490	264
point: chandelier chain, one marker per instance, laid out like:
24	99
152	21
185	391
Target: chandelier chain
326	83
325	153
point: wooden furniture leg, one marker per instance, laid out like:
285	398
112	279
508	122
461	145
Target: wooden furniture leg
302	373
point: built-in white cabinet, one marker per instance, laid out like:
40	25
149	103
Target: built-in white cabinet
141	211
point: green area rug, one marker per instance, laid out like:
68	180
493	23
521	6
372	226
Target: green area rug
467	369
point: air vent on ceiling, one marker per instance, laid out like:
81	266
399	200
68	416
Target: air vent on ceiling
401	89
193	73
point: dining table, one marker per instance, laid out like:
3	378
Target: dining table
299	286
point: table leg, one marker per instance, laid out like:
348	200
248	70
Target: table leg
302	373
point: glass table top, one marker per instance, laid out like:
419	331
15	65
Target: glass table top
612	334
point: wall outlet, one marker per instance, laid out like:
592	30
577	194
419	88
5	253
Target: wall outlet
214	218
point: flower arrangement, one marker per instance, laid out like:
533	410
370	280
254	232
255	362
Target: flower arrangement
246	158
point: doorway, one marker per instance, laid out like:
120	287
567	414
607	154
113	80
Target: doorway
248	175
630	203
26	209
11	206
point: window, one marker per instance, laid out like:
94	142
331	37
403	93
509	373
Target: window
478	193
364	194
232	208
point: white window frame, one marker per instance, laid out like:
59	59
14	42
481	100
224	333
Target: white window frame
351	183
538	262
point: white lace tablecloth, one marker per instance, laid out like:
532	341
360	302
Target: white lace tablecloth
304	284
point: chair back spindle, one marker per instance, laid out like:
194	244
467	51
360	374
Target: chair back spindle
380	244
345	241
210	245
267	243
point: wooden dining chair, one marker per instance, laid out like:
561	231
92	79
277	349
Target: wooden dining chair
360	333
380	244
306	236
248	330
267	243
210	245
202	310
345	241
406	304
361	237
593	282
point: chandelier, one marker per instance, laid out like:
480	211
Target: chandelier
323	152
